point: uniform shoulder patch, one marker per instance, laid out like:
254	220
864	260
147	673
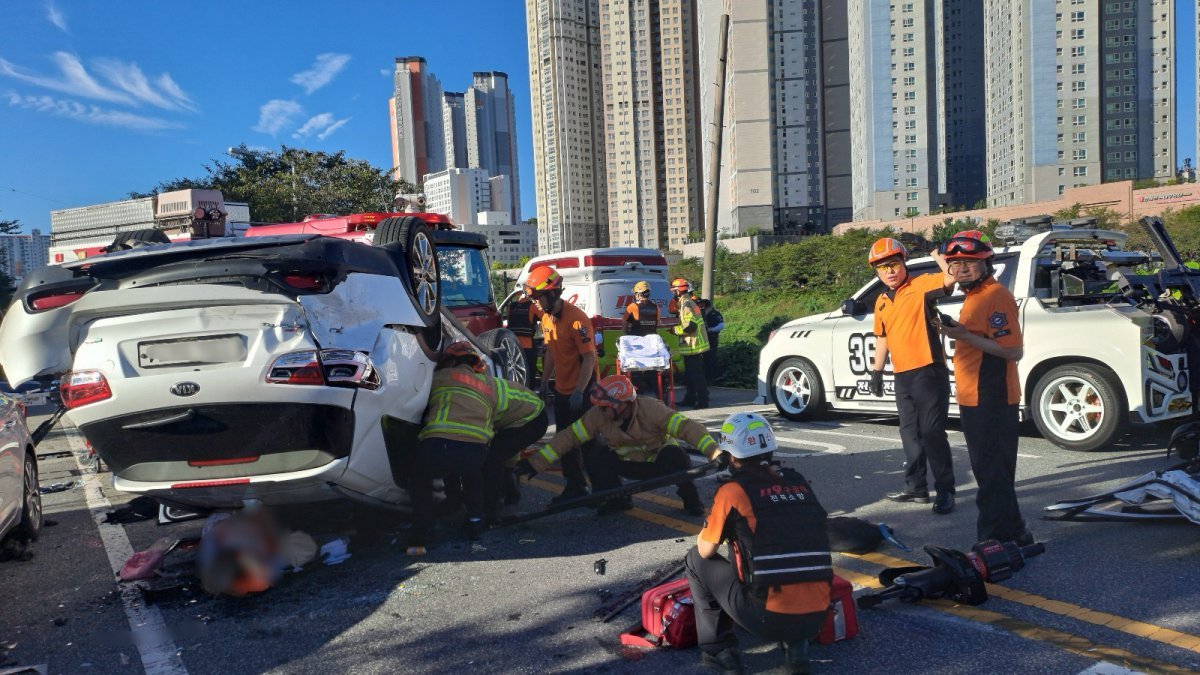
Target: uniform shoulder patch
998	320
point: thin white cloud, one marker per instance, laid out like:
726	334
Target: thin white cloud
332	128
276	114
55	16
384	72
90	113
324	69
322	125
128	77
126	84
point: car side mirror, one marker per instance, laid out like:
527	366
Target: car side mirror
849	307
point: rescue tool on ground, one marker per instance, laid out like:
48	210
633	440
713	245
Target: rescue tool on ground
956	575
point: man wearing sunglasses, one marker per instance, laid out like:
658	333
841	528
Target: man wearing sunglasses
905	328
639	435
988	345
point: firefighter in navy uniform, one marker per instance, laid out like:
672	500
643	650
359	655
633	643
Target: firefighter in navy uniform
523	314
641	319
904	329
779	582
988	345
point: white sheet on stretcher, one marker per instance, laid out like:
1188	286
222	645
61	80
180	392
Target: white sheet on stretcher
1182	490
645	352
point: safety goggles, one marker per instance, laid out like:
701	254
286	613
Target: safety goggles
965	246
888	266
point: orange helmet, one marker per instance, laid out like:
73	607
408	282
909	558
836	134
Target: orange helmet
461	352
612	391
541	281
885	248
682	285
968	245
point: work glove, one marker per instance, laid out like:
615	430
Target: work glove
576	401
876	383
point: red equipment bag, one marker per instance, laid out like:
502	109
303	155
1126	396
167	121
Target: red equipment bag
842	621
668	618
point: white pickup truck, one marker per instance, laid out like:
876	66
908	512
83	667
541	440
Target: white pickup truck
1094	359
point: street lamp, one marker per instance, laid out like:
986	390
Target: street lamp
250	154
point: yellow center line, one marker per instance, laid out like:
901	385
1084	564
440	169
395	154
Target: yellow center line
1063	640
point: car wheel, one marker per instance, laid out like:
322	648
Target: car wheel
505	344
410	237
1079	406
127	240
31	501
797	390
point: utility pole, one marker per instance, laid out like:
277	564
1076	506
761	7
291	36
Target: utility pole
713	172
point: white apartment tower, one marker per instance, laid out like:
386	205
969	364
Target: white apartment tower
454	129
415	111
916	116
460	194
648	60
1078	92
568	123
491	133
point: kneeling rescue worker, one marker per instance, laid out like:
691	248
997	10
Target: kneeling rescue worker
638	434
778	584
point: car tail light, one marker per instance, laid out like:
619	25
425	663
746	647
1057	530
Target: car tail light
332	367
55	300
82	387
210	483
304	282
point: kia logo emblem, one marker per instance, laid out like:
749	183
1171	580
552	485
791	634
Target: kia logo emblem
185	389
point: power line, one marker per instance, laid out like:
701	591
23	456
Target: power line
49	199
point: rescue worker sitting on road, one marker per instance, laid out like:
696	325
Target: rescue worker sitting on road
639	436
641	319
778	585
454	439
693	343
521	421
522	315
570	361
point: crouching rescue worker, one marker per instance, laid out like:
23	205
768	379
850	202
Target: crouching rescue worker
521	421
778	583
457	428
639	442
988	345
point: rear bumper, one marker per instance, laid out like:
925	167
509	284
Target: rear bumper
296	487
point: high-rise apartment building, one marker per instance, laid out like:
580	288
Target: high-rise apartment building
786	142
648	61
491	133
454	129
568	123
917	119
21	254
1078	92
415	111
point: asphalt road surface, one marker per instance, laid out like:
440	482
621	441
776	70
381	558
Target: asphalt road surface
1104	598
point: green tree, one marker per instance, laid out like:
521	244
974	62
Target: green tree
1106	219
287	185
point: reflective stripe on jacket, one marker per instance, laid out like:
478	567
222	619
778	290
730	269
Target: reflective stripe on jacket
462	406
696	341
515	405
653	426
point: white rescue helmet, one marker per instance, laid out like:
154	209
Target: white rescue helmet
747	435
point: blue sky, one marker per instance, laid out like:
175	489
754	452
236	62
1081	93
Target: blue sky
98	99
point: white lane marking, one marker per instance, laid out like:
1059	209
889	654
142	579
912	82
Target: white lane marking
159	654
806	444
1106	668
885	439
1028	456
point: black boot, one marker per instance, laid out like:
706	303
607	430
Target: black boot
796	654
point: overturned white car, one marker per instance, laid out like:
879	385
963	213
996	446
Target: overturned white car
210	372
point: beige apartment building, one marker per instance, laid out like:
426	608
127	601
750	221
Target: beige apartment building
1078	92
568	123
648	61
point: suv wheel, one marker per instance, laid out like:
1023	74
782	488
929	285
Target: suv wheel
410	237
1078	406
30	525
796	389
507	348
127	240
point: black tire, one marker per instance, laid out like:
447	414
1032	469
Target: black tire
506	350
30	525
797	391
128	240
410	237
1079	406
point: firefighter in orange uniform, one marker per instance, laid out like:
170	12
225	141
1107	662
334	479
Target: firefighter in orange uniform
988	345
569	360
904	328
